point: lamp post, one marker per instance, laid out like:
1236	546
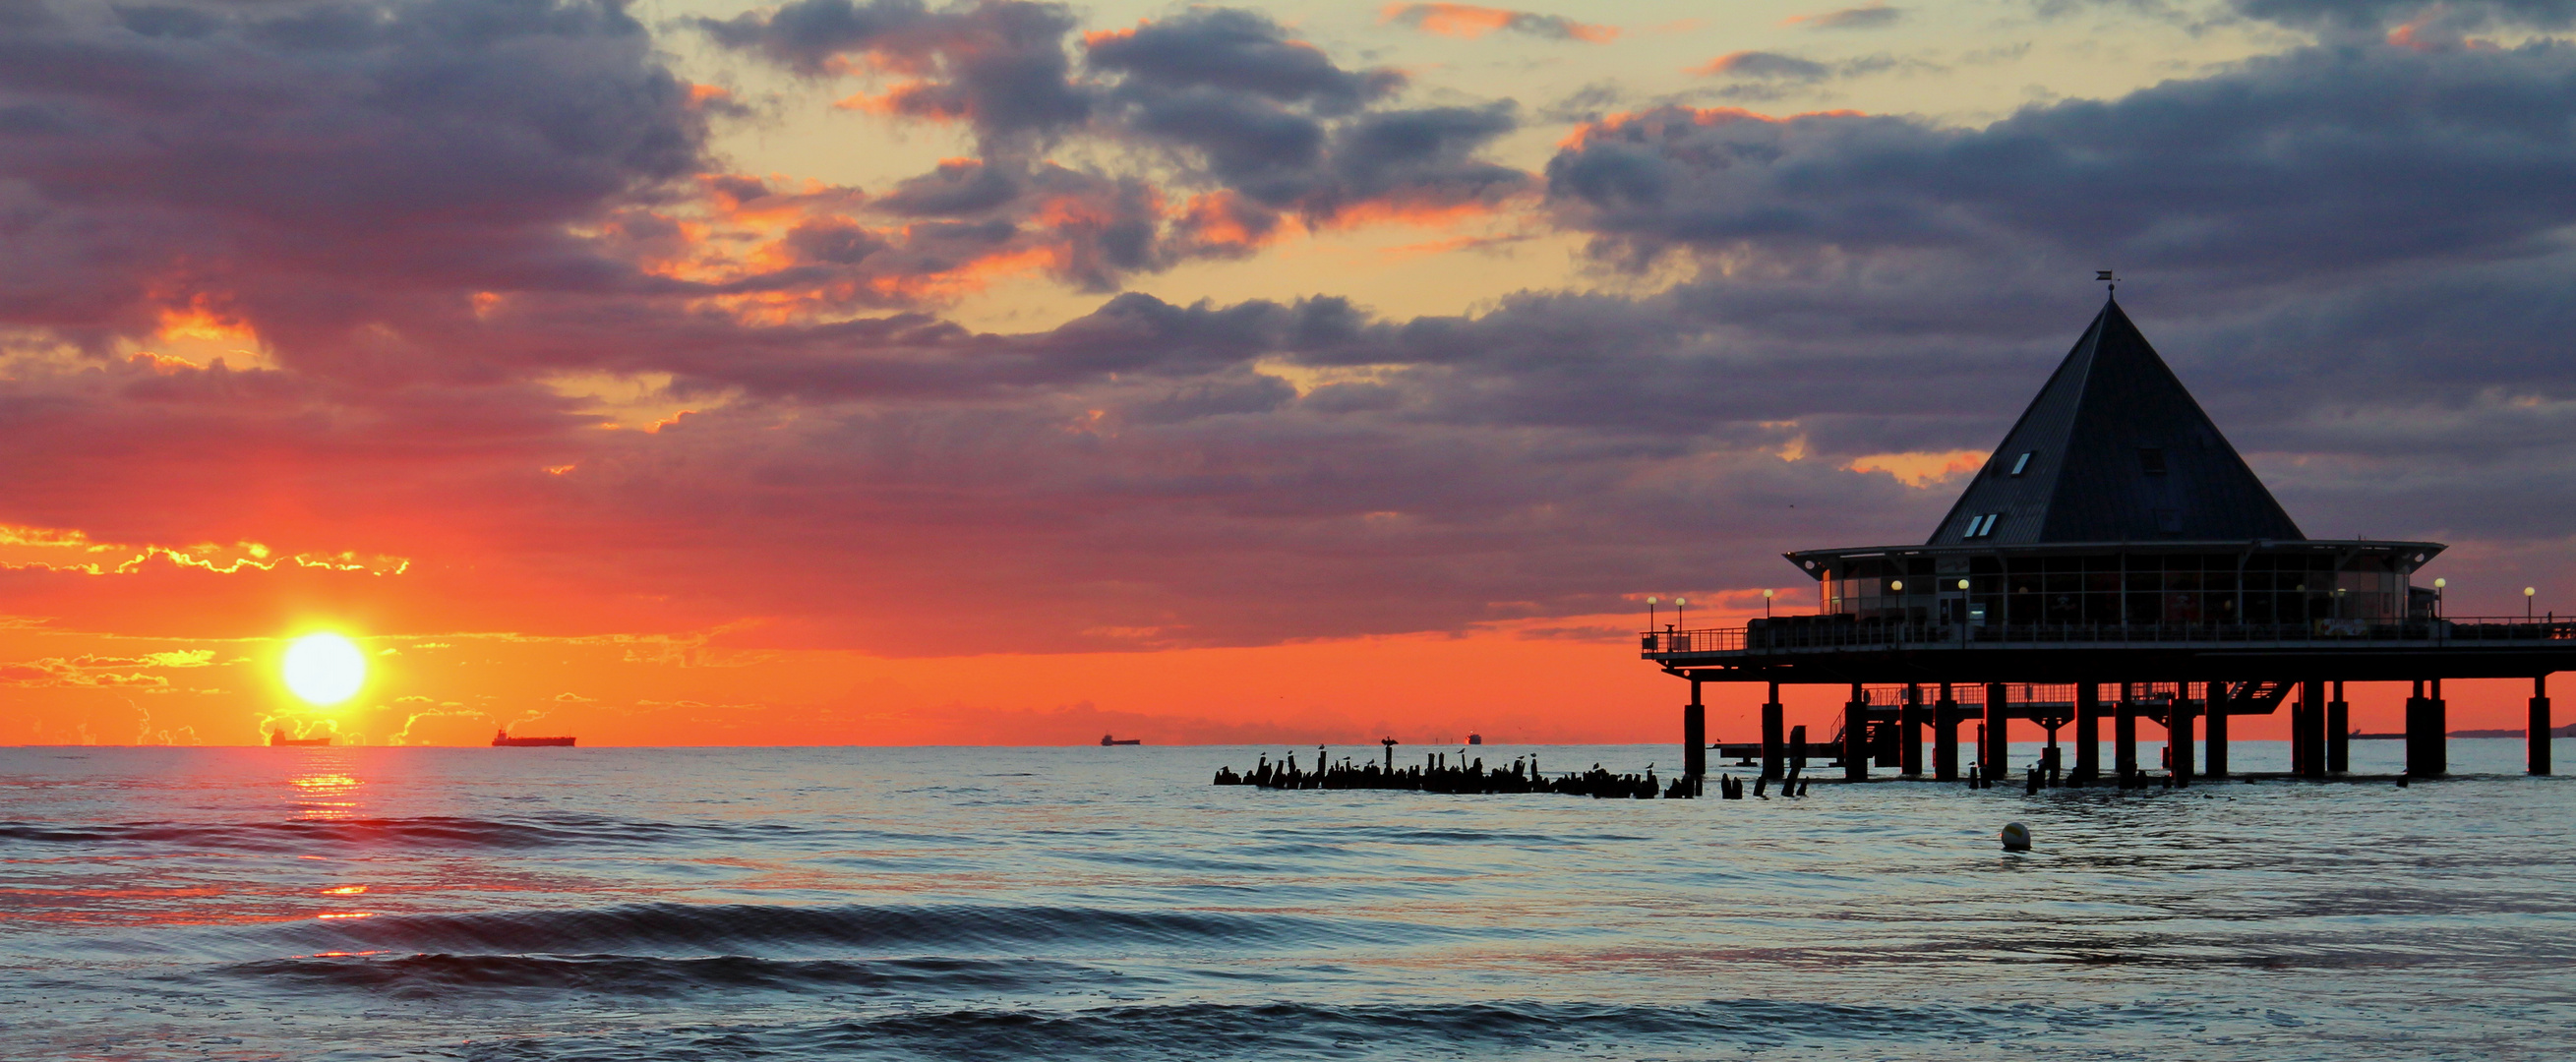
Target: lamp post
2438	584
1677	610
2526	602
1650	612
1766	603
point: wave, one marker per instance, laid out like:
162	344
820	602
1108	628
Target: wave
440	976
1202	1030
429	832
711	929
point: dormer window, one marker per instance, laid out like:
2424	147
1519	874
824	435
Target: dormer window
1981	526
2022	464
2151	460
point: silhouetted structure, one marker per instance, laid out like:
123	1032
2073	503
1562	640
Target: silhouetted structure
1438	775
2114	559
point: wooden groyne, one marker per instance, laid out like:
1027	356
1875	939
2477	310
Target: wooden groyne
1437	774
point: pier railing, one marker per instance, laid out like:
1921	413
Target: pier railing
1843	632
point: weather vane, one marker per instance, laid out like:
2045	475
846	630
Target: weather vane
2111	283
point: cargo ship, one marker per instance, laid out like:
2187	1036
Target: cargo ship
278	739
501	739
1106	741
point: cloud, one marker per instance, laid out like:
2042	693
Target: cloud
89	672
1471	22
1233	50
1764	65
998	65
2371	15
2282	165
1867	16
309	167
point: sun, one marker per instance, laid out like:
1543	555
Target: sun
325	668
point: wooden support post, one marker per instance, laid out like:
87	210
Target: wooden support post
2124	734
2178	736
2214	765
1945	736
1856	735
2437	731
2088	732
2338	733
2416	758
2310	727
1910	733
1998	732
1798	748
1774	757
1694	739
2535	734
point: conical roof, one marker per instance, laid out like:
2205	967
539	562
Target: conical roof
2114	449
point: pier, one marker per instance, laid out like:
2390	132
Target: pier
2114	560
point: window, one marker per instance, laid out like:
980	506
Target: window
1981	526
2151	460
2022	464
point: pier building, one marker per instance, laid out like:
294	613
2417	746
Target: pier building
2114	560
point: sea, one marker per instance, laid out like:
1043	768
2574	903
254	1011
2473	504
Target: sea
1110	904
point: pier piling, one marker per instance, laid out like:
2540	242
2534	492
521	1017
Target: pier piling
2338	733
2088	732
2178	737
2427	736
1910	733
2124	735
1772	736
2308	731
1997	745
2535	734
1945	736
1694	741
1856	735
2214	757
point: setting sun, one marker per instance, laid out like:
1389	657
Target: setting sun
325	668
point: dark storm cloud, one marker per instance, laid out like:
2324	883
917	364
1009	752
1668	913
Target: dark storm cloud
281	152
2318	160
1274	119
2369	14
997	64
1236	51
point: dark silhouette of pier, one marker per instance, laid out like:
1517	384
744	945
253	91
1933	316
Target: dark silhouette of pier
2116	561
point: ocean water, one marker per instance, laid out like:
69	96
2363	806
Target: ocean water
1107	903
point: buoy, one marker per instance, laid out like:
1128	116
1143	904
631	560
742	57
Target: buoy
2016	837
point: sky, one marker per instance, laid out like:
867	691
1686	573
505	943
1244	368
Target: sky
1012	372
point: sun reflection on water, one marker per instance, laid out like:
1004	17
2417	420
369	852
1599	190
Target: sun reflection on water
326	789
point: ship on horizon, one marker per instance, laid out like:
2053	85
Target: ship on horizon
278	739
1106	741
501	739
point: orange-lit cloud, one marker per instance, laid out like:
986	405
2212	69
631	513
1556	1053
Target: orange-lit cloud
1470	22
1921	468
